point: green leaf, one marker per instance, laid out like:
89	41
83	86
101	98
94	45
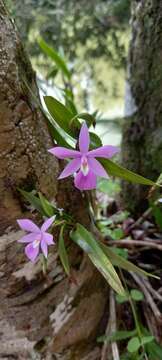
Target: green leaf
133	344
47	207
117	336
57	135
90	120
122	299
122	263
62	115
121	252
86	241
157	215
62	252
95	141
50	52
52	73
147	339
71	106
136	295
117	170
117	234
154	350
108	186
33	200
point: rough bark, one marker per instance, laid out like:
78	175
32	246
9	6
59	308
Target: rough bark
142	134
40	317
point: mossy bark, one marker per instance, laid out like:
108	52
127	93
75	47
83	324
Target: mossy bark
40	317
142	133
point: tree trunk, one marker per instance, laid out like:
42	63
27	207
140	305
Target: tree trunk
40	317
142	134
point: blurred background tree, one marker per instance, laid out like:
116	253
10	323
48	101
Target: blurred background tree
94	38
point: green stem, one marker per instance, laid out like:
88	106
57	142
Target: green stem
134	312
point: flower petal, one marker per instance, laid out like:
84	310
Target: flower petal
70	168
97	168
87	182
44	247
106	151
84	139
48	238
28	225
48	223
31	252
63	153
29	238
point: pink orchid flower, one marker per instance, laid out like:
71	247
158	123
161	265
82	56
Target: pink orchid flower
37	237
84	161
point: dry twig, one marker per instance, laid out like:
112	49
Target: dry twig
148	297
131	243
111	328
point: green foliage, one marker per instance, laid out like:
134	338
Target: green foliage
47	207
122	299
87	242
61	115
66	122
136	295
123	263
133	344
157	213
62	252
108	186
117	336
33	200
59	62
117	170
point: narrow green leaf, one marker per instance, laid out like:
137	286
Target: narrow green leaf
70	105
57	135
52	73
55	131
136	295
117	336
86	241
95	141
62	252
157	213
90	120
33	200
51	52
62	115
117	170
133	344
154	350
48	208
122	263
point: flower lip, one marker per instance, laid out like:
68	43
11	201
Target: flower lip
36	243
84	165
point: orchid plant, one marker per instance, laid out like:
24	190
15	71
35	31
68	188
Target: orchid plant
88	159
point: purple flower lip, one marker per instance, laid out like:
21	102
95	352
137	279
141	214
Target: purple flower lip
38	239
84	162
